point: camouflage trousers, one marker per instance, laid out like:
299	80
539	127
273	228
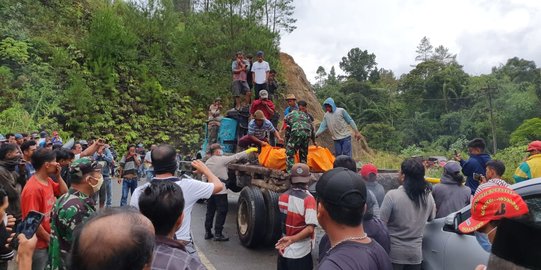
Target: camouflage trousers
297	141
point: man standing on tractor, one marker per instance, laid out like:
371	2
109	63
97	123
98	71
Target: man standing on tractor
339	123
298	130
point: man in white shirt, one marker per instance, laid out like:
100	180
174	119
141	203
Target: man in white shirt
147	163
260	74
165	166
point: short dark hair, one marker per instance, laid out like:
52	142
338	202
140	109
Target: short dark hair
344	161
477	143
26	145
345	215
164	159
41	156
302	103
5	149
64	154
162	202
129	246
130	146
497	166
75	144
10	135
272	71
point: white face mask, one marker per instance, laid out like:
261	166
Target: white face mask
97	186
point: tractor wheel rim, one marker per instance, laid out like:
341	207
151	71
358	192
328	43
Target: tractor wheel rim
242	217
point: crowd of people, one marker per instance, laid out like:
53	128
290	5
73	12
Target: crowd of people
365	227
70	184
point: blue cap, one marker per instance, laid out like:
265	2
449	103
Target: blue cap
259	53
18	136
2	138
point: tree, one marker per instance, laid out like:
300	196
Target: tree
321	76
424	50
281	16
358	64
442	55
332	79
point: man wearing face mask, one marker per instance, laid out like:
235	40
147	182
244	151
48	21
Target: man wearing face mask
217	203
9	159
489	206
73	208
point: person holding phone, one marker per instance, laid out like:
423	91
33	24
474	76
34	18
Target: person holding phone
128	172
39	195
73	208
475	164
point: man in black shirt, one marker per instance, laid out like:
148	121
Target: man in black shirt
341	199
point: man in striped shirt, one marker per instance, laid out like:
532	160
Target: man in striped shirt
299	218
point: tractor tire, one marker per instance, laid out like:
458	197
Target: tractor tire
274	223
251	217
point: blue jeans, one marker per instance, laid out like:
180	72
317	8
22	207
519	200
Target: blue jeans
343	147
104	193
128	185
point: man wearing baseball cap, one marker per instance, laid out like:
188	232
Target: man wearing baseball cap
341	197
260	73
299	218
369	172
531	167
217	203
264	104
73	208
488	207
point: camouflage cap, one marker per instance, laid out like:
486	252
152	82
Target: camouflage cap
83	166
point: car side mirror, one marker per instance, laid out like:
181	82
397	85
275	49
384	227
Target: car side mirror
452	221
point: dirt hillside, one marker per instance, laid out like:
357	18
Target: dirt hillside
297	84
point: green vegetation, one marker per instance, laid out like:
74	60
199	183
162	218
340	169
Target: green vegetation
437	107
125	71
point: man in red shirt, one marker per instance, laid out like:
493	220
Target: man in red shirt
264	104
39	195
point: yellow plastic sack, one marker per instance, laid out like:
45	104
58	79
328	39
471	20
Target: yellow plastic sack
320	159
274	157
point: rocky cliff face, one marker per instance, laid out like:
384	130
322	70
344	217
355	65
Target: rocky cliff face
297	84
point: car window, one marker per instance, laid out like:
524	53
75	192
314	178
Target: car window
534	205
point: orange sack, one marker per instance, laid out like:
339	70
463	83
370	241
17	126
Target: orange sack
320	159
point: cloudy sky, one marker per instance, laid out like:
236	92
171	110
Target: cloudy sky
483	33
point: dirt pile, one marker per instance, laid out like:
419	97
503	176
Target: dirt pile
297	84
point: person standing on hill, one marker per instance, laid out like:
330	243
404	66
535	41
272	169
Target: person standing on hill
240	86
260	73
338	121
476	164
531	168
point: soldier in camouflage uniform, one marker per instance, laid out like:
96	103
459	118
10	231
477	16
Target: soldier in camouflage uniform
298	130
72	209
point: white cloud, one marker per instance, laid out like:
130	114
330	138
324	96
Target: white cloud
483	33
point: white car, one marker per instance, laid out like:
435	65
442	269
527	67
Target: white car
446	248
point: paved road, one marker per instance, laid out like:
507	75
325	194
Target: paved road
229	255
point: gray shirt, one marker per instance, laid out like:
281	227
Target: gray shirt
218	165
450	197
377	189
406	222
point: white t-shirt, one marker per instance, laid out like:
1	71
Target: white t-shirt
260	70
148	158
192	190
